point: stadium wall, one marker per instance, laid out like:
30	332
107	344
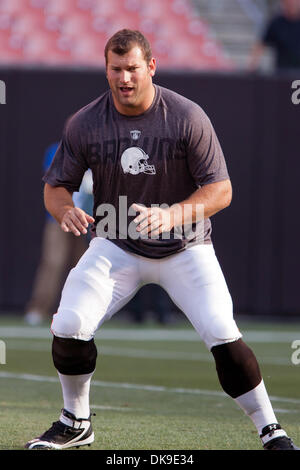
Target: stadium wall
256	238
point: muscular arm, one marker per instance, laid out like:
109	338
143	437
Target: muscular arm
59	203
212	198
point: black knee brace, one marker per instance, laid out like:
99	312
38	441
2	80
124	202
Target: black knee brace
237	368
73	356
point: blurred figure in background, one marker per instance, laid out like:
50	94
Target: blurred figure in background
60	252
151	302
282	34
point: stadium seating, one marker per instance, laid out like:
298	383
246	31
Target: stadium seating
74	32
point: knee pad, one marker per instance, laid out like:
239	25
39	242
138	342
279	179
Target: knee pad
74	356
66	323
237	367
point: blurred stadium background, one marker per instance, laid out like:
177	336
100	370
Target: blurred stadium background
155	386
192	34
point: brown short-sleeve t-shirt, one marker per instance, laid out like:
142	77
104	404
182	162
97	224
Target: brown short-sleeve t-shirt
159	157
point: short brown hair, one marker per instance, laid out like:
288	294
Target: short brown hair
124	40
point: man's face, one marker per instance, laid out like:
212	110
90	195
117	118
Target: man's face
130	79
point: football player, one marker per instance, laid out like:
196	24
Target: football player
157	151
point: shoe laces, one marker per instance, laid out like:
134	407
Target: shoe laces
57	428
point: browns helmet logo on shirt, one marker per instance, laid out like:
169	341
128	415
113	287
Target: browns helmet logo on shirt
134	161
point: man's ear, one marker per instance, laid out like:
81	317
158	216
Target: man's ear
152	67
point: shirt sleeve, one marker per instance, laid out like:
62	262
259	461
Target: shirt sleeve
68	165
205	156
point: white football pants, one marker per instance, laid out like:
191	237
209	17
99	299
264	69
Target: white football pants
107	277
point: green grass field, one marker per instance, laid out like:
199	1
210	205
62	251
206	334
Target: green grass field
154	388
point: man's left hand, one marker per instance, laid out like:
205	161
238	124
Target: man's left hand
153	220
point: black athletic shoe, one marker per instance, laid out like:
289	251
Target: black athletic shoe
72	432
280	441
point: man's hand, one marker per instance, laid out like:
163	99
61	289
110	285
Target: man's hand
75	220
153	220
59	203
203	203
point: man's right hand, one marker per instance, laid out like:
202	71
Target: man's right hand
59	203
75	220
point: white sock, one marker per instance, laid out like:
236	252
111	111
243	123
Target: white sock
256	404
76	393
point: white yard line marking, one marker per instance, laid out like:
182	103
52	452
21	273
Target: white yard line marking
144	353
95	407
281	410
114	408
148	388
131	334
